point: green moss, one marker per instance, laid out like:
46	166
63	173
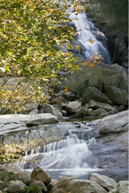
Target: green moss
33	189
3	175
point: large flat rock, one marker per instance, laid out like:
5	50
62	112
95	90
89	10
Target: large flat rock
113	123
34	119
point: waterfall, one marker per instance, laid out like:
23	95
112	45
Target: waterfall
87	31
69	155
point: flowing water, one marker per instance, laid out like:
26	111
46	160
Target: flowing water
90	39
68	156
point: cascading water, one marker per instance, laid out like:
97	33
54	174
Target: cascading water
87	31
67	156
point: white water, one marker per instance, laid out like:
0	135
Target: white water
67	156
87	31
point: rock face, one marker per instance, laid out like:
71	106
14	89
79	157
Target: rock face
122	187
74	185
39	174
95	105
96	83
104	181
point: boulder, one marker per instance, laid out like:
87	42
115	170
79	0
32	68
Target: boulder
94	93
99	112
113	123
69	96
38	184
101	74
122	187
79	113
39	174
23	176
116	95
73	107
15	186
13	168
57	101
53	110
74	185
104	181
51	184
95	105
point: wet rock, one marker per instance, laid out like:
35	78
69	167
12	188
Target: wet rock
15	186
29	164
116	95
39	174
95	105
38	184
104	181
23	176
74	185
73	107
53	110
122	187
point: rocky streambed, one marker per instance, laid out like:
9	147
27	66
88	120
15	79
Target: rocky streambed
62	148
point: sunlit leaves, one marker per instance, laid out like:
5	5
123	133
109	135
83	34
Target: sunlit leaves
78	48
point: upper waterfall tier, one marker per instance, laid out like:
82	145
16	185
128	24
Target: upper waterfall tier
87	31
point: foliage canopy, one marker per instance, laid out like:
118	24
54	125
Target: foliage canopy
31	36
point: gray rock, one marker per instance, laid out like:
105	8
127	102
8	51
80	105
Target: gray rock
39	174
95	105
38	184
94	93
79	113
28	119
121	108
113	123
116	95
53	110
122	187
99	112
74	185
69	96
57	101
15	186
12	167
73	107
23	176
104	181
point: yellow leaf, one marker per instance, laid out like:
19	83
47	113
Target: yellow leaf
15	40
85	63
101	57
31	7
92	65
91	7
66	89
70	46
78	48
91	41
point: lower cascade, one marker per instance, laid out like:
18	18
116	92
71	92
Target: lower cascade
67	155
